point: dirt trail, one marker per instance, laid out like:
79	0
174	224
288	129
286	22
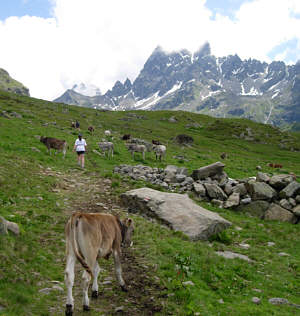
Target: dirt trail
87	192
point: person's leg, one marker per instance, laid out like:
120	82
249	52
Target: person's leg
78	159
82	161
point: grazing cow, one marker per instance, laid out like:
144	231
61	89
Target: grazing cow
107	147
91	129
275	165
90	236
160	151
107	133
57	144
137	148
156	142
223	155
126	137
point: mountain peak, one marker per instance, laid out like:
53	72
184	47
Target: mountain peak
204	50
89	90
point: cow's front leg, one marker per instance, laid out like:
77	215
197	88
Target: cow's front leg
69	280
95	281
86	282
118	269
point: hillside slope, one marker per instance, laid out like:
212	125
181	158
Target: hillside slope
9	84
39	192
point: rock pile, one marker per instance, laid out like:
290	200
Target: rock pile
270	197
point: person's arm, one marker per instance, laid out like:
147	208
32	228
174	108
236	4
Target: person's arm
75	145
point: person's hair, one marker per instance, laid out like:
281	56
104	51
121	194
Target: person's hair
80	136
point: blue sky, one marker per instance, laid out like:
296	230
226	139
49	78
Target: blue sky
50	45
20	8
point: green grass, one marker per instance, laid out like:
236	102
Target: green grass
29	197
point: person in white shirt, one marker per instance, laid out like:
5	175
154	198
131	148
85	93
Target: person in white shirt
80	147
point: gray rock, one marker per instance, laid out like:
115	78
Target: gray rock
290	190
171	168
256	300
217	203
246	201
296	210
276	212
292	202
260	190
278	301
285	204
228	188
280	181
240	188
297	199
233	200
262	177
215	192
177	211
254	208
183	170
6	225
3	226
232	255
199	189
207	171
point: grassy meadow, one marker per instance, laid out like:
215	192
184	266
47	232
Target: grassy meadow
39	192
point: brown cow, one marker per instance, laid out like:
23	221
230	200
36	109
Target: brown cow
91	129
90	236
126	137
57	144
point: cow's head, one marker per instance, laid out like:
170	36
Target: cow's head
128	231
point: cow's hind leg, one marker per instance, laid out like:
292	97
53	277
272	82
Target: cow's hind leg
69	280
95	281
86	277
118	269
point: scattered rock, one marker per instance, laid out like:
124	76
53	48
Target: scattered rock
232	255
188	283
278	301
283	254
208	171
256	300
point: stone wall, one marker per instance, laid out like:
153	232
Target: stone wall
270	197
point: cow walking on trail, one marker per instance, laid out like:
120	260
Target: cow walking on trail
90	236
57	144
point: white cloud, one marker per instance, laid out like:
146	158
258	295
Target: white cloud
99	42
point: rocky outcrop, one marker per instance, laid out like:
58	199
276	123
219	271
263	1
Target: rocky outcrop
175	210
256	196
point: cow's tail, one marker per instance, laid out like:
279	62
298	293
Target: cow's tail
74	229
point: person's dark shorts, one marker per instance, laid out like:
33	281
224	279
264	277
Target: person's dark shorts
80	152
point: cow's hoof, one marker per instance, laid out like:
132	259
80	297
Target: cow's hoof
69	310
124	288
94	294
86	308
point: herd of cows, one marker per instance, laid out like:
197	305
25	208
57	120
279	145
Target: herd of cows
133	145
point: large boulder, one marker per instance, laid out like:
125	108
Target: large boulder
260	190
276	212
208	171
175	210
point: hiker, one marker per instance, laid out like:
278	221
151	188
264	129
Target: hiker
77	125
80	147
